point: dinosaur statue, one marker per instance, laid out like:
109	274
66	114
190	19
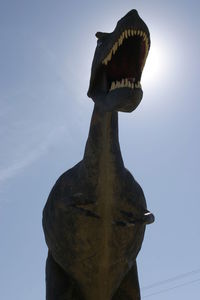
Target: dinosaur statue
95	217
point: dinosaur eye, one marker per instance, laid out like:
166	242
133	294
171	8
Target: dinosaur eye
99	43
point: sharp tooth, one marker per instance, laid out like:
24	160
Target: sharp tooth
112	86
129	32
132	85
138	32
122	82
117	84
126	33
109	56
114	48
105	62
129	84
126	82
137	85
132	32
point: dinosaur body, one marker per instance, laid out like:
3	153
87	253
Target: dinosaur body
94	219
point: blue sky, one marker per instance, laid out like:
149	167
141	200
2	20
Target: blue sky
46	53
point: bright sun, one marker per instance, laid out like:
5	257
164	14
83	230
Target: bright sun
157	64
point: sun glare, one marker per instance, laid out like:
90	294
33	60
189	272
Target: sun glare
157	64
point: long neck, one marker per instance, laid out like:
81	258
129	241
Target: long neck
103	143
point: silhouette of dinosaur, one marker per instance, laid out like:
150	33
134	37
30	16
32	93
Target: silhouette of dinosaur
95	217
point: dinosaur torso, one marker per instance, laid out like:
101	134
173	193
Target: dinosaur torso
93	211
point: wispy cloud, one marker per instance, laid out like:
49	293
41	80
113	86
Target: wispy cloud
32	117
30	155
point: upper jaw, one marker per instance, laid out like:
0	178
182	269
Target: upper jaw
129	31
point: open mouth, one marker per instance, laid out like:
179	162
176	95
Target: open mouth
125	61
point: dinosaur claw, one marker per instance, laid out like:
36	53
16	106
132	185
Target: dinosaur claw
148	218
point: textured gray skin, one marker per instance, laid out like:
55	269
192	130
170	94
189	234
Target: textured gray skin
95	217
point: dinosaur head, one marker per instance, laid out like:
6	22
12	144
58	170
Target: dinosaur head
118	63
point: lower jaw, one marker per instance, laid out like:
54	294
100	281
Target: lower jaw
123	99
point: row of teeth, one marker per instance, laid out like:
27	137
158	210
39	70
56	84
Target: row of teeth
125	35
124	83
